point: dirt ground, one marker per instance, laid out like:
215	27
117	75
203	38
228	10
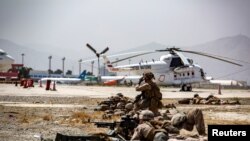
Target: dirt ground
26	114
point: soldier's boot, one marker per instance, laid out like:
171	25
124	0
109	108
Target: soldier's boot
199	122
172	129
195	117
160	136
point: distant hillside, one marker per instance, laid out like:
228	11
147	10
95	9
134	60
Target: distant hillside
235	47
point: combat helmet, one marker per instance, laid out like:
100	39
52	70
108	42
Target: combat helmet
196	95
119	94
210	96
129	106
146	115
148	75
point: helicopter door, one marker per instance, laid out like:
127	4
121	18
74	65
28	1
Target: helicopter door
162	78
202	73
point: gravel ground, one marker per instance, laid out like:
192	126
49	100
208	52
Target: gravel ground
26	113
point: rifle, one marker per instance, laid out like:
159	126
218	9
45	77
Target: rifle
139	97
110	125
126	125
140	80
107	102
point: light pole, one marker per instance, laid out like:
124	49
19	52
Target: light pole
116	59
23	58
104	64
129	60
63	59
92	66
80	69
50	57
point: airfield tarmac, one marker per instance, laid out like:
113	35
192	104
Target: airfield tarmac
107	91
31	112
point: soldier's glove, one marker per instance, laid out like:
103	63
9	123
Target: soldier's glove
140	80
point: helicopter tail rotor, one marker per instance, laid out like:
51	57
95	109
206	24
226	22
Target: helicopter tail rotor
104	51
91	48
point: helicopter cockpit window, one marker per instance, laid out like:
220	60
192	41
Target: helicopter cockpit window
190	61
2	53
176	62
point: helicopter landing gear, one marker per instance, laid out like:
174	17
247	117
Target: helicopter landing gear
186	88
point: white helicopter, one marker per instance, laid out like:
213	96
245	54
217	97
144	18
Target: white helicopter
172	69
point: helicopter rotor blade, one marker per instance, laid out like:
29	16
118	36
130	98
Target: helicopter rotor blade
105	50
115	55
211	56
168	49
162	50
132	57
223	57
91	48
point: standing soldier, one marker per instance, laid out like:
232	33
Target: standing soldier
150	97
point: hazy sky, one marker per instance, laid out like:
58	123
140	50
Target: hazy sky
121	24
63	27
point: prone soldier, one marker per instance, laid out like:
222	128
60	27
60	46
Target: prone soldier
146	131
211	99
153	128
188	120
198	100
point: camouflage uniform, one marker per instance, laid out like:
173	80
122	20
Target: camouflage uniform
212	100
144	102
114	102
146	131
114	105
198	100
152	96
187	121
143	131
